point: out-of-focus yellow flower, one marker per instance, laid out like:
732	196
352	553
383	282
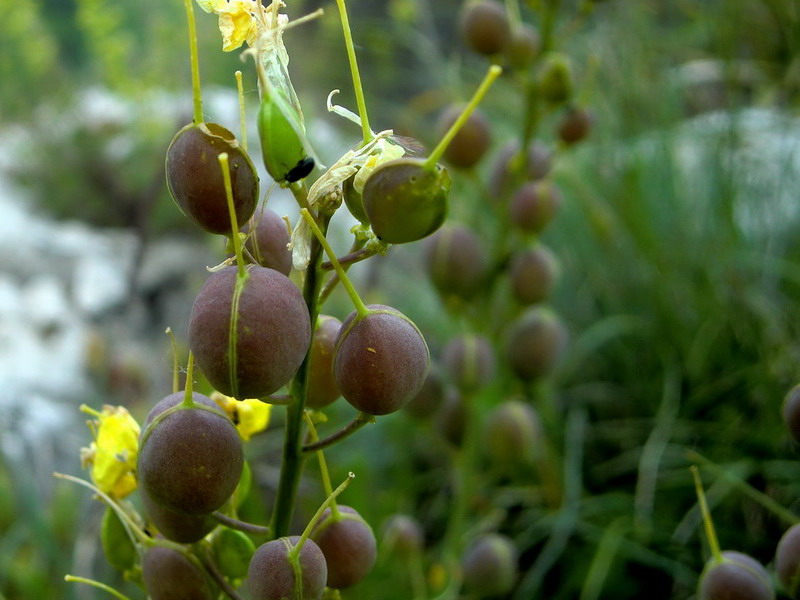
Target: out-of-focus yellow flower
250	416
113	453
239	21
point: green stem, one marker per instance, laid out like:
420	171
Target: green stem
176	382
97	584
323	465
492	74
711	535
313	522
240	525
196	95
334	280
351	56
207	560
242	119
188	401
346	431
361	309
237	241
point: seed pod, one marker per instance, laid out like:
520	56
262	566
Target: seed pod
536	342
176	526
469	360
471	142
282	145
249	339
484	26
348	544
513	430
190	459
405	201
232	552
268	241
533	275
429	398
575	125
452	417
555	78
117	545
490	565
456	262
272	576
787	561
322	388
537	165
736	577
791	412
169	575
523	46
195	180
403	535
381	360
534	206
354	200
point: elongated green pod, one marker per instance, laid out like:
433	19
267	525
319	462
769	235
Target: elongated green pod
282	141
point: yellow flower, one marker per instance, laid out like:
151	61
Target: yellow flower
250	416
239	21
112	455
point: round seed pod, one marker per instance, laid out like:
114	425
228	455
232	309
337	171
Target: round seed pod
791	412
787	561
176	526
271	575
270	338
405	201
469	360
195	181
555	78
117	545
429	398
533	275
190	459
539	162
471	142
534	206
490	566
268	240
322	388
354	200
348	544
456	262
403	535
736	577
169	575
536	342
451	418
484	27
232	552
575	125
523	47
381	360
512	432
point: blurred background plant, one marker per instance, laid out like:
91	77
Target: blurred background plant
680	277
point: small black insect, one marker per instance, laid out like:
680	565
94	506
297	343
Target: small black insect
301	170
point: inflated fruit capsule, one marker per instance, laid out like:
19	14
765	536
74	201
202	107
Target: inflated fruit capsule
736	577
232	552
354	200
490	566
538	163
406	201
249	339
555	78
282	147
267	241
484	26
176	526
195	179
533	274
512	431
469	360
430	396
117	545
523	46
348	544
575	125
381	360
787	561
535	344
322	388
456	262
791	412
403	535
451	419
169	575
190	458
272	576
534	206
471	142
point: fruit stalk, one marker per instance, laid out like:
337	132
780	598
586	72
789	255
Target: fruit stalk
196	96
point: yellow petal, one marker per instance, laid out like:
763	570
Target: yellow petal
253	417
114	453
237	24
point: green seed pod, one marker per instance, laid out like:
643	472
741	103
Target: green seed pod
195	180
232	552
403	535
117	545
555	78
490	566
405	201
282	145
523	46
512	432
736	577
354	200
469	360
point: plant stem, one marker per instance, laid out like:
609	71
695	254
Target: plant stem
241	525
492	74
176	383
711	535
357	423
313	522
211	567
323	465
97	584
237	241
188	401
359	90
242	119
351	258
358	243
196	95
